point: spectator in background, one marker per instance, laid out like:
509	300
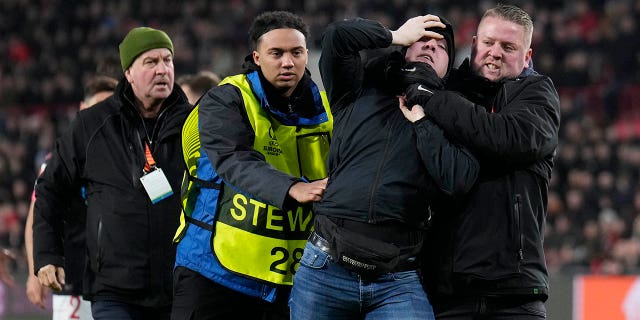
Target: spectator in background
262	134
5	274
126	152
194	86
109	66
485	250
213	40
68	301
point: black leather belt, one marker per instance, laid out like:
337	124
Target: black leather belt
324	245
320	243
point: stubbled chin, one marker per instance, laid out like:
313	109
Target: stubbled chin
161	93
287	83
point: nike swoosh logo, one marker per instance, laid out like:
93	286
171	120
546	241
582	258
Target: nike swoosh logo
421	88
409	70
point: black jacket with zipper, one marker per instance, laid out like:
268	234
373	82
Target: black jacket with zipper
490	241
382	168
129	249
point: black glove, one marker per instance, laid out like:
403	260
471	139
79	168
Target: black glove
392	75
418	93
420	72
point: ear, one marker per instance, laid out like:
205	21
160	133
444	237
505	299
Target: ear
473	40
127	74
256	58
527	58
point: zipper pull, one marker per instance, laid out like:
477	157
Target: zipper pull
520	255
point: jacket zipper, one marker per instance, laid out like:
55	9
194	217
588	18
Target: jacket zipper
153	130
519	230
371	218
142	119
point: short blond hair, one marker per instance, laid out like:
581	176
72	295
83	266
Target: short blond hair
515	15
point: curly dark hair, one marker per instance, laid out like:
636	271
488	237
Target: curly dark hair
271	20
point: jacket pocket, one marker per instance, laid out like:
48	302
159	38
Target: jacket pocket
487	236
99	246
519	237
93	236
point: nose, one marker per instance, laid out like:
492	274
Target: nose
430	45
287	60
495	51
161	68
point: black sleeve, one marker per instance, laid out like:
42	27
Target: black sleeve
524	130
341	66
54	189
227	137
451	166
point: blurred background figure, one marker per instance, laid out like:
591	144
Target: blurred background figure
195	85
69	300
5	274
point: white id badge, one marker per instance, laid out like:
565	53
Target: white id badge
157	185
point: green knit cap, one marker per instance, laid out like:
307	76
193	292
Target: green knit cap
139	40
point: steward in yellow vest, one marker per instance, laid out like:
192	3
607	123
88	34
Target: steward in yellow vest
255	148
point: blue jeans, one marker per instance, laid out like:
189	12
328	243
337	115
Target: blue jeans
109	310
323	289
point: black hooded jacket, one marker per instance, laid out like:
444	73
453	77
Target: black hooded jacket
382	168
489	242
128	239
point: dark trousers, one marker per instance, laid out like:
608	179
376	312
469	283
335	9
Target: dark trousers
196	297
490	308
109	310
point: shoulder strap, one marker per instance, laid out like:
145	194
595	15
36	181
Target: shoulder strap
204	183
199	223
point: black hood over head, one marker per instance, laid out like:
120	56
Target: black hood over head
447	33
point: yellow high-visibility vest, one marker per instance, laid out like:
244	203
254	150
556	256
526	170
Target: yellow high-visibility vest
252	238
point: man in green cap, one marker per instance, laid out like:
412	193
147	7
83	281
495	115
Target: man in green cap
126	153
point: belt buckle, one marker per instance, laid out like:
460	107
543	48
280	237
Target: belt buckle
320	243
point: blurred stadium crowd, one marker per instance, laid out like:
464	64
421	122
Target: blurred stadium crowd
591	50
